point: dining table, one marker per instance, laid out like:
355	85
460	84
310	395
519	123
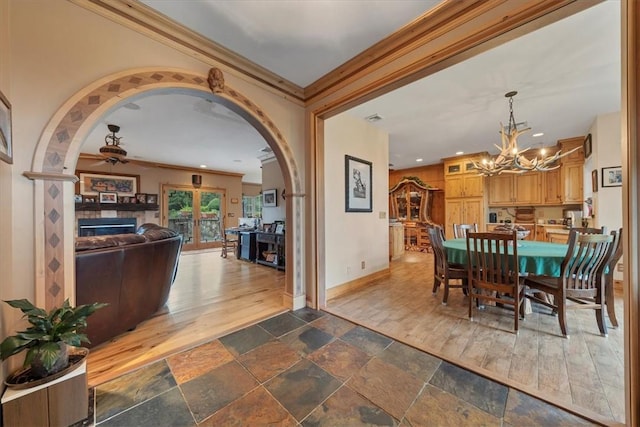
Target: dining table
539	258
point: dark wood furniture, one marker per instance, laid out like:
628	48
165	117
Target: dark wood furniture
270	249
581	278
460	230
444	271
494	271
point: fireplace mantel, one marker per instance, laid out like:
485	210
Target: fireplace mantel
117	207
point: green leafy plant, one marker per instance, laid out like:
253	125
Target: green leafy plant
43	338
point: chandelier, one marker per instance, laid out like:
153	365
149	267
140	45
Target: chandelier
511	159
111	151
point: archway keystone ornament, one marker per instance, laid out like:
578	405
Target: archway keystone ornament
57	153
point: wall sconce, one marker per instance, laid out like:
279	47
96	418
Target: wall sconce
196	180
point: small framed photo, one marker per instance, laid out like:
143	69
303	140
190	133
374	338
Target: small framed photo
124	199
358	179
612	177
152	199
108	197
280	228
269	198
89	199
594	181
6	145
141	197
77	198
586	145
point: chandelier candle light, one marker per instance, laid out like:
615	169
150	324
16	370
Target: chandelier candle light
511	159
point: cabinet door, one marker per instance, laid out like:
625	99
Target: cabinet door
453	215
474	212
501	190
454	186
473	185
527	188
551	187
572	181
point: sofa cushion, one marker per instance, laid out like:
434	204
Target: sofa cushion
86	243
155	232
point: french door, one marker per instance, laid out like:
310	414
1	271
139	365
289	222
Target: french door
195	213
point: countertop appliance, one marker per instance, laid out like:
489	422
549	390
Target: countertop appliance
572	218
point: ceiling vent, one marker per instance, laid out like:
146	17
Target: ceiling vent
373	118
266	150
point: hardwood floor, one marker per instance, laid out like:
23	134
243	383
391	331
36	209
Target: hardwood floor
211	297
584	374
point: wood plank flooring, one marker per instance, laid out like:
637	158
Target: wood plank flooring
584	373
211	297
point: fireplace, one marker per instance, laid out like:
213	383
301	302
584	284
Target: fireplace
105	226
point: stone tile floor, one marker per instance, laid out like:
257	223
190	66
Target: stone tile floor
310	368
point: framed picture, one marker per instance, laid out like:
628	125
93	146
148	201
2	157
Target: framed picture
89	199
280	228
269	198
152	199
612	177
91	184
124	199
594	181
586	145
6	144
141	197
358	179
77	198
108	197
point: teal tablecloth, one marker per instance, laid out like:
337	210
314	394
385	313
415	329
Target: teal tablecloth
533	257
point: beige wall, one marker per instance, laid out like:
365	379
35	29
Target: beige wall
49	51
353	237
272	179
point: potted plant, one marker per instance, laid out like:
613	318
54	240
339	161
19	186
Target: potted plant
48	338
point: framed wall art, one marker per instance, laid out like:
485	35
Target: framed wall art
586	145
108	197
269	198
358	184
594	181
91	183
612	177
6	144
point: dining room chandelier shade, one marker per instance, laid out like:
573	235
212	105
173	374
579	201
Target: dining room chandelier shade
513	160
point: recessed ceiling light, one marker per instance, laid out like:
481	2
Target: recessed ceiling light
535	135
418	160
459	153
203	166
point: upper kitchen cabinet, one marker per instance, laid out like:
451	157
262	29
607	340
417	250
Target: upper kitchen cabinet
515	189
410	200
572	171
461	179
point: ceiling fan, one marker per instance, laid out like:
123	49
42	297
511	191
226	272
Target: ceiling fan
111	151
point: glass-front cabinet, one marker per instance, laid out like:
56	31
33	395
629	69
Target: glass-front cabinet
409	201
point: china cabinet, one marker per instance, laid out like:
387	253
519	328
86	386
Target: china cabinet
410	200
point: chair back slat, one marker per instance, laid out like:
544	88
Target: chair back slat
460	230
492	258
585	255
439	252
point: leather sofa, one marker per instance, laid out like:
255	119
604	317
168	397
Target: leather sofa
131	272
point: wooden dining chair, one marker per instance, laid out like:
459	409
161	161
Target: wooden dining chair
460	230
493	271
444	271
229	242
589	230
580	281
607	273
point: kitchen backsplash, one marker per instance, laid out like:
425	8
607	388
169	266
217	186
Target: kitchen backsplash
542	213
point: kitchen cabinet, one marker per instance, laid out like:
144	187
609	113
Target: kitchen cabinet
572	183
464	211
552	187
515	189
464	185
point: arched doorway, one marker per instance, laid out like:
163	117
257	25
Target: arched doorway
57	153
